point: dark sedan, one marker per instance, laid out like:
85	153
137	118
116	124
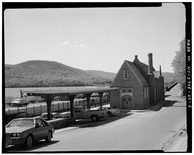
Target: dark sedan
28	130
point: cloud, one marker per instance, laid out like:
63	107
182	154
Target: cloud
81	46
66	43
78	46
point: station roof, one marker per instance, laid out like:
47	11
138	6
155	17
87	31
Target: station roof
68	90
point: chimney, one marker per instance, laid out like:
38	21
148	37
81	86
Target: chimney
160	71
150	64
135	56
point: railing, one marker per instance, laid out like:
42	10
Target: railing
168	88
57	106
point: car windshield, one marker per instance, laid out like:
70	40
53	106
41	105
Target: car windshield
22	122
57	115
16	101
101	108
19	99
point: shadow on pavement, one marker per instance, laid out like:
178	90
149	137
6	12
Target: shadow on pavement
166	103
89	123
167	96
36	145
169	103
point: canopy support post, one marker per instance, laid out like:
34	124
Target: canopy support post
100	95
88	100
71	98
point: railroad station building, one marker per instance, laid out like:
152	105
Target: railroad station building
139	85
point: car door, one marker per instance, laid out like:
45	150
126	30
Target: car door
78	113
45	129
41	130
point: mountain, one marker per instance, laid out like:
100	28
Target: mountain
106	75
38	73
169	78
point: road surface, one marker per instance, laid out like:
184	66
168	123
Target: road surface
133	130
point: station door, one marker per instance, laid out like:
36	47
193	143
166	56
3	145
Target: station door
126	102
127	98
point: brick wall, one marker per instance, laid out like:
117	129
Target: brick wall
146	101
119	81
152	89
156	89
131	82
138	98
115	99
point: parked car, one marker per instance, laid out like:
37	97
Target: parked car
80	113
54	115
28	130
20	102
110	111
7	140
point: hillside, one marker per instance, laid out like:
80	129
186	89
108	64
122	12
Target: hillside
169	78
39	73
106	75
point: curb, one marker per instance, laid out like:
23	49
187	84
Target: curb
65	129
172	138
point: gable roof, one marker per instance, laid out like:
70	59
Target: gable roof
143	68
156	74
137	73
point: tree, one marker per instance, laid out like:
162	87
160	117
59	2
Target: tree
179	65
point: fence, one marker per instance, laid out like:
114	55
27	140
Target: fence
57	106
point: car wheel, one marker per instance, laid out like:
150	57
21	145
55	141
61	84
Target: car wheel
94	118
109	113
49	136
29	142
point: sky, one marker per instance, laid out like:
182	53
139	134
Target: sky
95	38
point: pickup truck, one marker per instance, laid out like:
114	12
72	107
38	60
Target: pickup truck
80	113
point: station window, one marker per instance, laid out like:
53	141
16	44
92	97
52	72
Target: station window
125	74
123	91
147	92
129	90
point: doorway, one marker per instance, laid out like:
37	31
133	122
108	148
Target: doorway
127	98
